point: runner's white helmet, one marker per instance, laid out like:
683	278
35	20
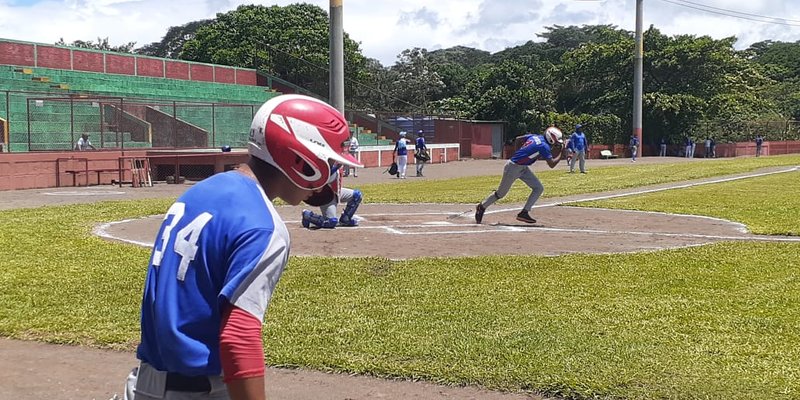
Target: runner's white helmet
302	137
553	135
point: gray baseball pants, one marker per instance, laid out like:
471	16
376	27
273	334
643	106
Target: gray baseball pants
148	383
512	172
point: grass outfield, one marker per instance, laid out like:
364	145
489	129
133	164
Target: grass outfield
768	205
717	321
557	182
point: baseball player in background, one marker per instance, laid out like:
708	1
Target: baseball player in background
330	196
401	153
421	152
219	255
518	167
579	145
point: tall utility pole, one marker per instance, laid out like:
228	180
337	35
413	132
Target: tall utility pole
336	70
637	76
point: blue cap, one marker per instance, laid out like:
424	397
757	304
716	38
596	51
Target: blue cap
579	126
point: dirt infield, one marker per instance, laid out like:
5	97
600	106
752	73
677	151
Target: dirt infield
450	230
30	370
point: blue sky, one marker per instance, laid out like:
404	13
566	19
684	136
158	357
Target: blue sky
385	28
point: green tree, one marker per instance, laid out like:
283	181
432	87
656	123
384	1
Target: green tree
289	42
781	62
416	80
172	43
100	44
512	92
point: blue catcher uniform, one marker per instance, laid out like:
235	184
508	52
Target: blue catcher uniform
204	257
351	198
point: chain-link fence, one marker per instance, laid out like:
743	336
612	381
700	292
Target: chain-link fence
39	122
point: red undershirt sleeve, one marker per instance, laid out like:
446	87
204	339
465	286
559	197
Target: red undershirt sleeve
240	345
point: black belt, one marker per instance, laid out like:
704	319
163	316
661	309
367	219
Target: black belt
182	383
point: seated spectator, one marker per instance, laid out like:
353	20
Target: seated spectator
84	143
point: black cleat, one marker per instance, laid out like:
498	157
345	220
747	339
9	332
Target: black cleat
479	210
525	217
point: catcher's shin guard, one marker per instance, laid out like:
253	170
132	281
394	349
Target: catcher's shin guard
350	210
319	221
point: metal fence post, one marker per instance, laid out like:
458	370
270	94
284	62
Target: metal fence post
174	124
71	121
28	115
8	120
213	125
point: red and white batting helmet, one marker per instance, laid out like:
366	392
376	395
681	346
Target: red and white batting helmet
302	137
553	135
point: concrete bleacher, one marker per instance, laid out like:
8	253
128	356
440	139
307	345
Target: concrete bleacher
54	127
368	138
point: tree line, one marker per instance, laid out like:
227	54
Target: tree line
693	85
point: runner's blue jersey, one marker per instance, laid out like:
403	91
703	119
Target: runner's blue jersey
535	146
220	242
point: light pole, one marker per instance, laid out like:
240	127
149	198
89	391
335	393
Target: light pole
336	51
637	76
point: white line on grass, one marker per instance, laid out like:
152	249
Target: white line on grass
654	190
403	230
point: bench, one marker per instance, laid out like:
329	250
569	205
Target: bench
99	171
606	154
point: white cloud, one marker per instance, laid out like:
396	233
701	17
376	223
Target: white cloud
386	28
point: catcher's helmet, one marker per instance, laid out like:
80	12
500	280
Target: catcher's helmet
553	135
302	137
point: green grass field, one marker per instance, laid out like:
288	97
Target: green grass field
764	204
557	182
718	321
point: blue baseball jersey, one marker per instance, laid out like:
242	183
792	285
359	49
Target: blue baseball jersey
578	141
420	143
402	150
534	147
221	242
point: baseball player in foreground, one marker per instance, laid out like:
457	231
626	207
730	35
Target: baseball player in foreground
518	167
329	197
219	255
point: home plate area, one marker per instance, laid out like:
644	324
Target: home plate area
399	231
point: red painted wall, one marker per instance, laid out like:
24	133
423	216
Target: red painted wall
117	64
38	170
48	56
149	67
53	57
245	77
177	70
87	61
202	72
16	54
224	75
